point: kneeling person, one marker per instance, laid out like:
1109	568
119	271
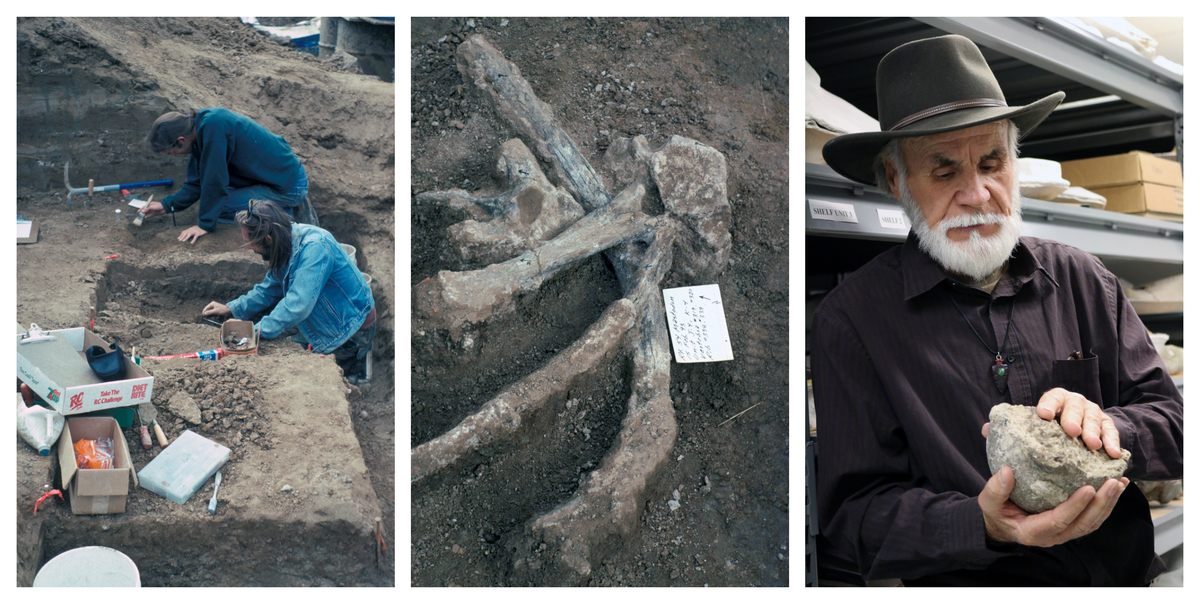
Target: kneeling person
312	285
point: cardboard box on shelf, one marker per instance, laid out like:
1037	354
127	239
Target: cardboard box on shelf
1154	200
56	369
814	141
1124	169
95	491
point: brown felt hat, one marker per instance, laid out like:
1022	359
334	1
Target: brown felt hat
926	87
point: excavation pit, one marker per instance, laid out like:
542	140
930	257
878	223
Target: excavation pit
177	294
296	489
90	89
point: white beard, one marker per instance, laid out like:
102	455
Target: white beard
978	257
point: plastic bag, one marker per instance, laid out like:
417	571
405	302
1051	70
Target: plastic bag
94	454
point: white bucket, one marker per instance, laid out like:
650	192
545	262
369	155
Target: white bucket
368	277
351	251
91	566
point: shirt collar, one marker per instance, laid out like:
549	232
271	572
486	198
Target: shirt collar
922	273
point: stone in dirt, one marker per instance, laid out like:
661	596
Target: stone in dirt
182	404
1047	464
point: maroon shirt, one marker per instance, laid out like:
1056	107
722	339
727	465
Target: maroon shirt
902	388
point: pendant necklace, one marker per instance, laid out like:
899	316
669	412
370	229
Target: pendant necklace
999	366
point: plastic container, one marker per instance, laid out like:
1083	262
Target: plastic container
123	415
38	426
91	566
182	468
234	330
351	251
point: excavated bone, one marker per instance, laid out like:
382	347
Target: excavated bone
627	161
608	503
503	415
1047	464
691	235
501	81
689	178
452	299
527	211
691	181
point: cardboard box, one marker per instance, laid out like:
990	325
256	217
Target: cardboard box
1124	169
57	371
814	141
95	491
1143	197
233	329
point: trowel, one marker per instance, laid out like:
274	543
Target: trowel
148	414
144	428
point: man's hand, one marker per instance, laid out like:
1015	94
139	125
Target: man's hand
154	208
215	308
1077	415
1081	514
192	233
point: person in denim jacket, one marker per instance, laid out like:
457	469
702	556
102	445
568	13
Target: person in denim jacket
311	285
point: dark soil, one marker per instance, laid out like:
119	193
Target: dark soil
722	82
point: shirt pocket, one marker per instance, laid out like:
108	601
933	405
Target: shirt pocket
1079	375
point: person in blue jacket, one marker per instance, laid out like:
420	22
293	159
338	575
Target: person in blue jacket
233	159
311	285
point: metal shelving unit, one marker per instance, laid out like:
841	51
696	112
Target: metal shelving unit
1059	49
1031	57
1139	249
1168	526
1128	101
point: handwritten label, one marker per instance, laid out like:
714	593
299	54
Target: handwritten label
829	210
893	219
696	320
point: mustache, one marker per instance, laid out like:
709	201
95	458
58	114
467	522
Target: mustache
969	220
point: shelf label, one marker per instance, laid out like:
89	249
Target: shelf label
830	210
696	321
893	219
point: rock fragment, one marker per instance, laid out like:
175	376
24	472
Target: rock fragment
1047	464
183	405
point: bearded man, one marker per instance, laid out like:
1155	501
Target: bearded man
910	352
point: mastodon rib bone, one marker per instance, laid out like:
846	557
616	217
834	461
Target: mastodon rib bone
607	504
504	414
451	299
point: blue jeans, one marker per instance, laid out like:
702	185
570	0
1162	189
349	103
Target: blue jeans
351	356
295	203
